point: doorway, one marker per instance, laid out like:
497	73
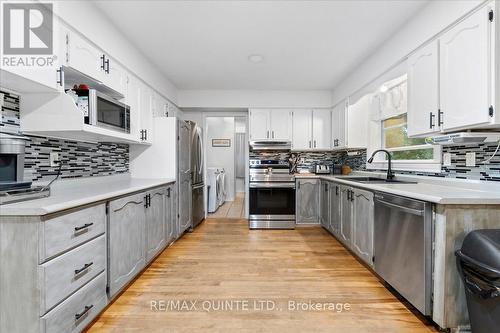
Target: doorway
226	159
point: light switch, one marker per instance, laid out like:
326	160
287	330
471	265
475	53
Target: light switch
447	159
470	159
54	158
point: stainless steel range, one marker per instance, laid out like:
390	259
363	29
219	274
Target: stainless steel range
272	195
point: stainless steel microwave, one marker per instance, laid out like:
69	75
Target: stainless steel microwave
103	111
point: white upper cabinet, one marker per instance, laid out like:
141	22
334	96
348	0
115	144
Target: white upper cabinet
115	75
259	124
146	114
321	129
83	56
423	91
302	129
339	125
266	124
280	124
466	72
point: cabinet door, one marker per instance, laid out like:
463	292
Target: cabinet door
423	91
146	114
346	215
301	129
335	209
83	56
307	206
115	76
281	121
155	223
338	126
259	125
325	204
322	129
362	225
126	237
133	99
465	72
169	215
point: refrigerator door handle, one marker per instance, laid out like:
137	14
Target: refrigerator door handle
200	147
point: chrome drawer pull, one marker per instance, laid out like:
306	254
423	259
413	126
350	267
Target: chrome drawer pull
84	312
85	226
78	271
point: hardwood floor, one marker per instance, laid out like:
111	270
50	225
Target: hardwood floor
223	261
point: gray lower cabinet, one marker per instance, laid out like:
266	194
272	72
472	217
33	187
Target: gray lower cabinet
184	213
346	215
126	238
307	201
171	227
362	224
155	222
324	195
335	209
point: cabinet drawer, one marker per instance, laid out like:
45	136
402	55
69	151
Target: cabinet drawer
75	313
62	276
64	232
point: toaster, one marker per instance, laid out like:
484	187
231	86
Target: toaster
322	169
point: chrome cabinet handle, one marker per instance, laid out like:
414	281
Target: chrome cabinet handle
314	143
85	226
431	120
60	76
78	271
84	312
440	117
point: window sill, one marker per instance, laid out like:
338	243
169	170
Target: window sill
416	166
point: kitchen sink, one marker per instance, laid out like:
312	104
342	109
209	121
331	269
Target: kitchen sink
374	180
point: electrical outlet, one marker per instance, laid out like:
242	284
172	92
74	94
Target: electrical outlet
54	158
470	159
447	159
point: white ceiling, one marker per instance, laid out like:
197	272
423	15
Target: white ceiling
307	45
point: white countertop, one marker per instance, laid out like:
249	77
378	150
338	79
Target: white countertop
66	194
431	189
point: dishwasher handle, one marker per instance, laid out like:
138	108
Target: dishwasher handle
401	208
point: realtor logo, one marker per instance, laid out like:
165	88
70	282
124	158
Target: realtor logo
28	29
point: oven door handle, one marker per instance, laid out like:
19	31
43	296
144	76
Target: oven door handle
272	185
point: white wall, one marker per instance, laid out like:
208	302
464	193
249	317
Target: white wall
240	126
253	98
221	128
427	23
93	24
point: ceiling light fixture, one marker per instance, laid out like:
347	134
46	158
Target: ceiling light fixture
256	58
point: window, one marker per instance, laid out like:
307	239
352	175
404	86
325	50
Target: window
388	128
395	139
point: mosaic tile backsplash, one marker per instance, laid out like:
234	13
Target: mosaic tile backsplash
487	172
79	159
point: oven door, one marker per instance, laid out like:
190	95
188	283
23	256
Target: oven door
110	113
272	205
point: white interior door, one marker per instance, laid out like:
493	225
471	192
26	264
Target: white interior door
301	129
465	72
322	129
423	91
280	124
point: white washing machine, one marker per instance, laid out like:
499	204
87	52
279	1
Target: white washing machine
214	192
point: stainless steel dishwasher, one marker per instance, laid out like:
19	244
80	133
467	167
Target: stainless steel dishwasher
403	247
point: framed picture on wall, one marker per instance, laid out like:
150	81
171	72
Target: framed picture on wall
221	142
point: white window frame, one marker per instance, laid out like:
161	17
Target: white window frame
380	160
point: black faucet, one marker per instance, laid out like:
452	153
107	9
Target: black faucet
390	174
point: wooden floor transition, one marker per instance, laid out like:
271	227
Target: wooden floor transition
225	264
231	209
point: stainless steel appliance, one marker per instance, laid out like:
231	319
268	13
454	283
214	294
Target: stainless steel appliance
184	178
104	111
197	173
403	236
322	169
270	145
272	195
13	187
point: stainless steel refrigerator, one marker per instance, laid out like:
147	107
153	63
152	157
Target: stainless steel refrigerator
197	174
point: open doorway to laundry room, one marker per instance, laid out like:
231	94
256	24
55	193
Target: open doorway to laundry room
226	158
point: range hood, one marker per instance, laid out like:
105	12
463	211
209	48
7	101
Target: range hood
270	145
465	138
